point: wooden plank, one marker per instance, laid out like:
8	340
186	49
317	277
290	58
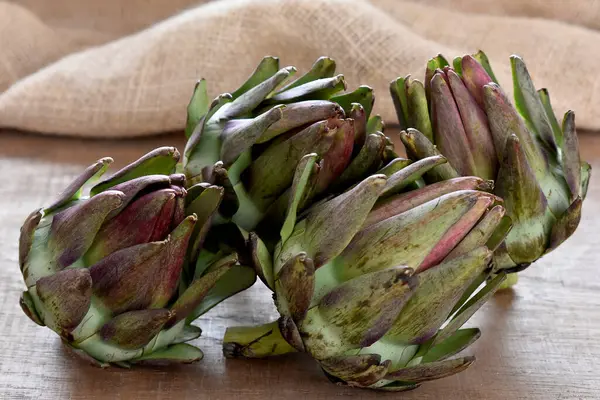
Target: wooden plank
540	341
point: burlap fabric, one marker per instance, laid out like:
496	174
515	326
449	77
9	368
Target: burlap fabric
117	68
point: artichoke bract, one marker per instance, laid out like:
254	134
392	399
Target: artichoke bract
462	113
375	282
118	270
251	140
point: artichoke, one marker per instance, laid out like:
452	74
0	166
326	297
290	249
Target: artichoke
374	283
118	270
251	140
463	113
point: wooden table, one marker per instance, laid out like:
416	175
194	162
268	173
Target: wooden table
540	341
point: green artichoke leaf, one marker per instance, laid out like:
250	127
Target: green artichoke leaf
398	93
265	70
324	67
454	344
320	89
197	107
304	170
161	161
419	147
556	128
430	371
75	189
180	353
483	59
28	305
439	289
529	104
189	332
586	171
411	173
235	280
418	112
375	124
363	95
571	161
469	308
365	162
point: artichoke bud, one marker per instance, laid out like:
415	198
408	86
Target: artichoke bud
66	298
358	312
134	329
439	290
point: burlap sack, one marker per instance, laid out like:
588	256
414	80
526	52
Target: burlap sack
117	68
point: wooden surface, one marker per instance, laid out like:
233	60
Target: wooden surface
540	341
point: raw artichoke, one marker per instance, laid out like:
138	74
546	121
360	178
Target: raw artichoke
375	282
119	274
465	115
251	140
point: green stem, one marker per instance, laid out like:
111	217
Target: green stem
255	341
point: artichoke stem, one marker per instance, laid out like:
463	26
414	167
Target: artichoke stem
255	341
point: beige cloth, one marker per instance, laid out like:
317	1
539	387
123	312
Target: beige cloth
117	68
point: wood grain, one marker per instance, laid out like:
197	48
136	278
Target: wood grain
540	340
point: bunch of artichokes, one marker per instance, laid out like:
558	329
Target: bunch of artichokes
375	261
462	113
119	272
